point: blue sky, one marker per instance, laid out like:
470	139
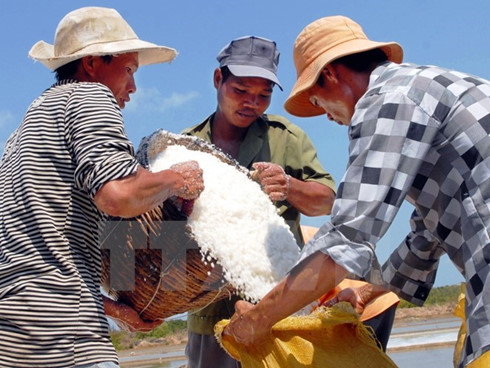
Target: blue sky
449	33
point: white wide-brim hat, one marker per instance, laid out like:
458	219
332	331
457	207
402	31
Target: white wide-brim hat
95	31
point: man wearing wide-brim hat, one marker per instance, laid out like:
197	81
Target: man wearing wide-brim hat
419	133
67	166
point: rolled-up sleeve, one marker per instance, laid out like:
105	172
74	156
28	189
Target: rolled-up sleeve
95	132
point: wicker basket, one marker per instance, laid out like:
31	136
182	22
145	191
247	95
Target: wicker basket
152	262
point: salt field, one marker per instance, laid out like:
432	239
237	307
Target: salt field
424	344
422	333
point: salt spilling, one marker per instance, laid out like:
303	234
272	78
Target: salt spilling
235	222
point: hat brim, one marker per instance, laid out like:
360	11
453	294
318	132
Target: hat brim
253	71
298	102
149	53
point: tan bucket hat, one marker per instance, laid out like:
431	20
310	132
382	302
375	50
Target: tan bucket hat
322	42
96	31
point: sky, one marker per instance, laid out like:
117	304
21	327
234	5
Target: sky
448	33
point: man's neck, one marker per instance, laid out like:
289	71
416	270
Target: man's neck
227	136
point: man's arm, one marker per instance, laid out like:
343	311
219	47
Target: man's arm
138	193
126	317
308	281
310	198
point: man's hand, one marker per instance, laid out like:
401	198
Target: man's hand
358	297
127	318
192	175
273	179
244	327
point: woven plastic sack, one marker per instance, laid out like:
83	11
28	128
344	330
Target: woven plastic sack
328	338
459	312
376	307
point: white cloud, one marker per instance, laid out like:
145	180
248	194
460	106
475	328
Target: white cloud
177	100
152	100
6	119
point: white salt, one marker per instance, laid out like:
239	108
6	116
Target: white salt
235	222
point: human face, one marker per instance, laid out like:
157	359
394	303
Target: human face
118	75
334	95
241	100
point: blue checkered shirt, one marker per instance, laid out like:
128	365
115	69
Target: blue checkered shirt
419	133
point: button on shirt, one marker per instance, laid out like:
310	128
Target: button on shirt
419	133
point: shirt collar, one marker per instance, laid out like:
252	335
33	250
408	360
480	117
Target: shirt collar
64	81
252	143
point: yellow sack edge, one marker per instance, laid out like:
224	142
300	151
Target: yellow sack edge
315	323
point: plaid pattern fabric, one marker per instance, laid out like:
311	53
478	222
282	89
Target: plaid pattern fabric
420	133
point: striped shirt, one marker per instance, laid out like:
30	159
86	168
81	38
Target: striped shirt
71	142
419	133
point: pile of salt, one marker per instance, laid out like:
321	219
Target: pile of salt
235	222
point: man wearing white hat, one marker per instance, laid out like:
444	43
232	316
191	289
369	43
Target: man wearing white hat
420	133
67	166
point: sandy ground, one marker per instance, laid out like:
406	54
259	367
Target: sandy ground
406	315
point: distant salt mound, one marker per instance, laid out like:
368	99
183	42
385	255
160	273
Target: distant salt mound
234	222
